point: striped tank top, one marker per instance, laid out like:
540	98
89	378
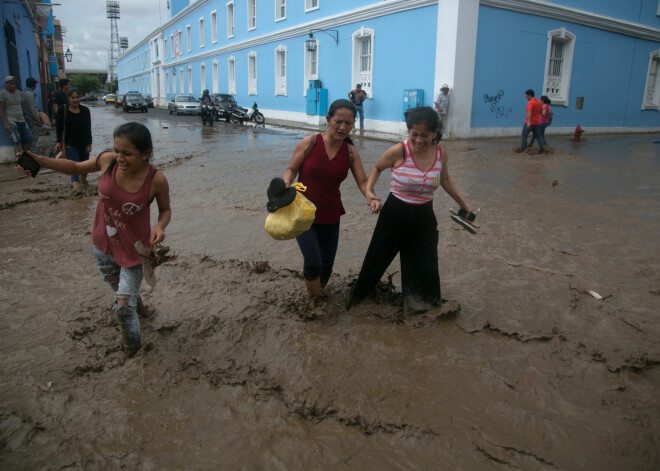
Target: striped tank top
412	185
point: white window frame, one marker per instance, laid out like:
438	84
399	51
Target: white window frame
174	82
216	85
308	75
280	70
651	99
190	82
279	6
214	26
252	73
251	14
231	75
358	75
181	81
188	39
311	5
173	45
557	88
201	32
230	19
202	76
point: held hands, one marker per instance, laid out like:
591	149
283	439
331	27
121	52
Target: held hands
373	202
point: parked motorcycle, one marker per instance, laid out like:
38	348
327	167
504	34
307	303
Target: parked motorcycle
209	114
240	115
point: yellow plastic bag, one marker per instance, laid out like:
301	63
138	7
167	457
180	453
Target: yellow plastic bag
292	220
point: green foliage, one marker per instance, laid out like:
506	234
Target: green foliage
86	84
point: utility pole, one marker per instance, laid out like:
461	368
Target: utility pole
113	14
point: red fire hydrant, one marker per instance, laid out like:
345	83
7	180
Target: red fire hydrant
577	133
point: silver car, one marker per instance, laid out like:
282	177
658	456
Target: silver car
183	104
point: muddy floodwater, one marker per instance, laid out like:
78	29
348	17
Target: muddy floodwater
521	369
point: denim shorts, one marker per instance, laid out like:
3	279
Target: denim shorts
20	133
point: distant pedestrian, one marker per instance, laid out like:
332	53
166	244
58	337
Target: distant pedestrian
532	120
74	134
51	105
60	97
30	111
11	112
357	97
545	121
441	105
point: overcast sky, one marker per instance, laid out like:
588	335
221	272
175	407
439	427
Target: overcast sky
88	28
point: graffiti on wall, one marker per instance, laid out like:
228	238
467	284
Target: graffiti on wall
495	107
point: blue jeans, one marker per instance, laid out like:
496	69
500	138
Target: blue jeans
319	247
541	133
534	129
126	284
77	155
20	132
360	110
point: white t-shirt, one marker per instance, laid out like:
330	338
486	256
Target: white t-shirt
443	101
13	105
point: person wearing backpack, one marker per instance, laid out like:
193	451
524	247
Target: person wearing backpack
357	97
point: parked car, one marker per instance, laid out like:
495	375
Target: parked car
88	98
184	104
134	102
119	101
225	104
150	101
109	98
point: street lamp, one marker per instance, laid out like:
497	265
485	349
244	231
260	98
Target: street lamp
68	55
310	42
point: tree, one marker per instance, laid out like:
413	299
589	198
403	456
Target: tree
86	83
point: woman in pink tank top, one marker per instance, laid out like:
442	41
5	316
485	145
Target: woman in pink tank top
127	187
407	223
321	163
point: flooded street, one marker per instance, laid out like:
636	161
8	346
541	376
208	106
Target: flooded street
520	370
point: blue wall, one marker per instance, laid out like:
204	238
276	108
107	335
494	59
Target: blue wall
609	71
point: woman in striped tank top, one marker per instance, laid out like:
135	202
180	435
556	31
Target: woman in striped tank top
407	223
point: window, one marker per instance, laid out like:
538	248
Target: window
214	27
231	75
311	66
280	10
652	89
173	43
190	87
202	76
280	70
252	14
252	73
216	86
558	65
188	40
311	5
201	32
174	81
363	59
230	20
181	81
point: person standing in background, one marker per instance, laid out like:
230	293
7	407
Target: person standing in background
30	111
60	97
532	120
441	104
357	97
74	134
11	113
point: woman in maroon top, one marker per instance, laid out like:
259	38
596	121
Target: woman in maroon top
127	187
321	163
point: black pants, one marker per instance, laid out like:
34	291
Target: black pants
412	231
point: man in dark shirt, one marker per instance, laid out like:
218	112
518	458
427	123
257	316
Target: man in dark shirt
60	96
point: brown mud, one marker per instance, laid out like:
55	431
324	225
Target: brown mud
518	370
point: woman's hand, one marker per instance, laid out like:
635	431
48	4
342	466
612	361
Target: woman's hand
157	235
58	146
373	202
88	149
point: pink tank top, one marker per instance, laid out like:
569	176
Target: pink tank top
122	218
412	185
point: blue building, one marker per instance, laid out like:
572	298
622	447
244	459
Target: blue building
596	60
19	56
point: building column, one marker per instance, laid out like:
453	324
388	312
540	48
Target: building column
456	49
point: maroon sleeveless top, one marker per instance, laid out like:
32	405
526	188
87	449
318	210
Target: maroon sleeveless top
122	218
322	178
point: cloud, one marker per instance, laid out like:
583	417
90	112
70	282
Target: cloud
88	28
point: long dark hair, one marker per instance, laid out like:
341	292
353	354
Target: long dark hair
342	104
423	115
138	134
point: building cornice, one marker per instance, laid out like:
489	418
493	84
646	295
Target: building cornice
574	15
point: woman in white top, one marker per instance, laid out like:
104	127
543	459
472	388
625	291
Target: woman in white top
407	223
